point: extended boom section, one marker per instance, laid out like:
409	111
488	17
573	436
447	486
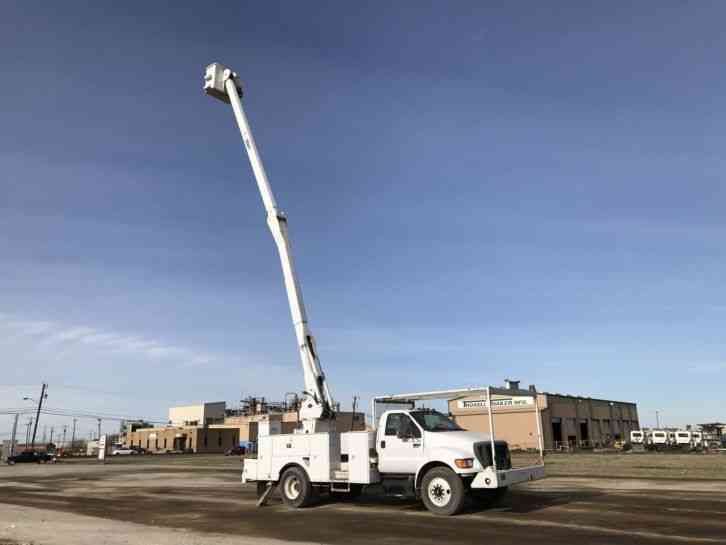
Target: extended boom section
317	406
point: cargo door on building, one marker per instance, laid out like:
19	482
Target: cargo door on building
584	433
556	432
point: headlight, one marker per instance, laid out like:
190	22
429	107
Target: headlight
464	463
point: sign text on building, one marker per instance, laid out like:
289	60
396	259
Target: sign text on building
505	402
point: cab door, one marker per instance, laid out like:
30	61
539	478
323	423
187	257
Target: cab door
400	447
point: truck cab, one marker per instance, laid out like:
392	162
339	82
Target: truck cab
425	453
407	441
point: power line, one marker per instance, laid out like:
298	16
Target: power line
58	411
96	416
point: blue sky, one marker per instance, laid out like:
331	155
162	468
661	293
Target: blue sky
474	193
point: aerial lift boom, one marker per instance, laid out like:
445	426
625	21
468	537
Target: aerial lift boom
317	409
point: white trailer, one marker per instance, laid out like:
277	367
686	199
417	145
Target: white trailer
683	439
659	439
697	438
416	450
637	437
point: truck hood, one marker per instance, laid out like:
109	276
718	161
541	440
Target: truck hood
455	439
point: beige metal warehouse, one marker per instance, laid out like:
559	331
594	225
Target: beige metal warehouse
568	422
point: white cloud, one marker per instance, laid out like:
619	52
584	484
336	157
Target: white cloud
54	335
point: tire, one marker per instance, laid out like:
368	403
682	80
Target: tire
489	497
442	491
295	488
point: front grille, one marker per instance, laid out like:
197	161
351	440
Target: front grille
483	451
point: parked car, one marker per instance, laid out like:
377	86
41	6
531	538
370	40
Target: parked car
235	451
31	457
123	451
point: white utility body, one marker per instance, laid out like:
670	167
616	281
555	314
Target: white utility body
411	451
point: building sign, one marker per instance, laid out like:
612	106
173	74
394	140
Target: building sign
505	402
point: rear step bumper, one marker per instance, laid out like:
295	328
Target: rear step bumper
507	477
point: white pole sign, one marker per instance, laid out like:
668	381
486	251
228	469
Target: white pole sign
102	448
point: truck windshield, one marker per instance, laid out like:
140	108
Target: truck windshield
434	421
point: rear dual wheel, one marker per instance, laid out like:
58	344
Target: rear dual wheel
295	488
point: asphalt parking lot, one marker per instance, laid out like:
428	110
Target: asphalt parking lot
199	499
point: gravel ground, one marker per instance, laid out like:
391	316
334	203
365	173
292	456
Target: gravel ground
198	500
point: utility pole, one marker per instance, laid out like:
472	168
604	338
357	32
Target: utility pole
51	434
15	431
73	435
657	419
65	429
43	395
99	429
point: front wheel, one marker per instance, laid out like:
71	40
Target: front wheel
295	488
442	491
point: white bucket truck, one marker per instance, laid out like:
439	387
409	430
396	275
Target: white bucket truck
414	451
419	450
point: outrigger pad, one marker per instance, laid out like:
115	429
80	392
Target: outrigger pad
266	494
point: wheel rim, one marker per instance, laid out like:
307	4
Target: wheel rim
292	487
439	491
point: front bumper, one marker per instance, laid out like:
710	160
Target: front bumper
488	478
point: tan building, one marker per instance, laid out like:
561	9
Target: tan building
566	421
203	414
197	439
220	433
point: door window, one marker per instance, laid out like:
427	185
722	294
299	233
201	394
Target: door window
400	422
393	423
